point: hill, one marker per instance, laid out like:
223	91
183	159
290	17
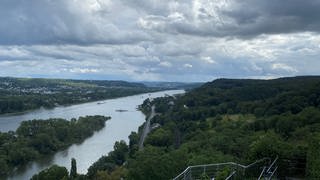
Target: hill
173	85
21	94
235	120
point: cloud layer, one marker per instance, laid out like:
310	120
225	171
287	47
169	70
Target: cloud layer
187	40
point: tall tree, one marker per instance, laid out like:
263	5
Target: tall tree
313	157
73	170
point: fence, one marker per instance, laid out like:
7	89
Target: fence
228	171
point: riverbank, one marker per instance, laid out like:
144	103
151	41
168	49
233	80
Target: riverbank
55	105
146	128
100	143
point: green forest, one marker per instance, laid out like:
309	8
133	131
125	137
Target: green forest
235	120
38	138
226	120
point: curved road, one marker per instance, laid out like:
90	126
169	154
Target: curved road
146	128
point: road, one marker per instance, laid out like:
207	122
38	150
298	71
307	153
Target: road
146	128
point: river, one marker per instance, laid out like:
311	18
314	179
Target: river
86	153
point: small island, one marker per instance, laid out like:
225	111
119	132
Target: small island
121	110
37	138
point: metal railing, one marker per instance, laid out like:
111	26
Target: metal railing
229	170
267	173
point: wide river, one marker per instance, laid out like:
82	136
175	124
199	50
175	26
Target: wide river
86	153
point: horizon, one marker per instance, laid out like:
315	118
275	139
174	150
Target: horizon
186	82
159	41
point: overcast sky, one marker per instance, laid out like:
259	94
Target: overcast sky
159	40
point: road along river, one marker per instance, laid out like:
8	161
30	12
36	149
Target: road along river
122	123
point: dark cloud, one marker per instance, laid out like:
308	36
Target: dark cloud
169	40
154	7
255	17
73	22
37	22
60	22
242	19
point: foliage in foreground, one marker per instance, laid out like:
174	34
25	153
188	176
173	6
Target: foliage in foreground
36	138
235	120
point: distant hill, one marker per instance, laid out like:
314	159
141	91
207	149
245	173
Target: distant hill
21	94
42	82
173	85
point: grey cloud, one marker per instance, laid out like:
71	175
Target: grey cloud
241	19
182	40
255	17
155	7
115	22
37	22
176	49
61	22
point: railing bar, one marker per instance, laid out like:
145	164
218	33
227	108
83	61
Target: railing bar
182	173
272	164
264	168
263	159
230	175
273	172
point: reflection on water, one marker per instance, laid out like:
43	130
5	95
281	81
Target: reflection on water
118	128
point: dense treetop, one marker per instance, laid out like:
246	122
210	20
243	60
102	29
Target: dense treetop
234	120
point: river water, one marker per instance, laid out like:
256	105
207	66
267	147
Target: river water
86	153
